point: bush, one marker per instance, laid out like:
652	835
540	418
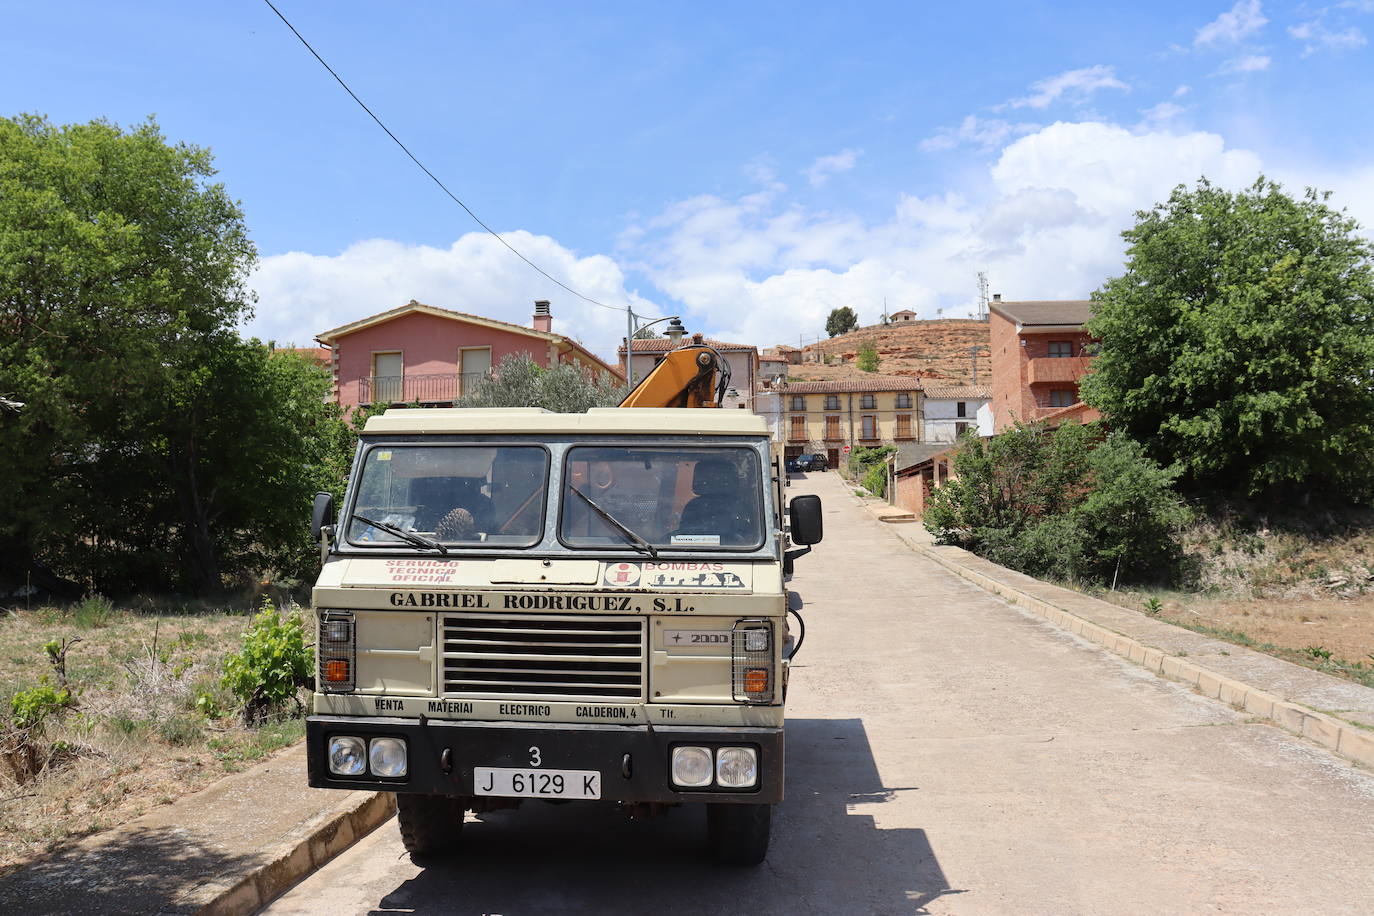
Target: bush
1066	503
875	480
272	665
93	611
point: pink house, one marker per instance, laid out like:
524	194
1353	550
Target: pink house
431	355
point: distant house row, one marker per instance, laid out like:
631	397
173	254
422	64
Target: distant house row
424	354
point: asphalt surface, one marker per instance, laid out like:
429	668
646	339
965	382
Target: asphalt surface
947	753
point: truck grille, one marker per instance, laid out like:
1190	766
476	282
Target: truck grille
547	657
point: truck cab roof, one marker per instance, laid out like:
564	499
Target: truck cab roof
608	421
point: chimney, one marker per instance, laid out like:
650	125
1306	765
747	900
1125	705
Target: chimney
543	321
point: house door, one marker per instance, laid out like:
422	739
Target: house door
388	378
832	456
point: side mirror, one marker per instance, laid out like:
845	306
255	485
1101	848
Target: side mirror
322	515
805	514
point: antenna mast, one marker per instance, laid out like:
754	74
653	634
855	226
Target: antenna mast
982	294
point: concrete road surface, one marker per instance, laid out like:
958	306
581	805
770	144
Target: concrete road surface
947	753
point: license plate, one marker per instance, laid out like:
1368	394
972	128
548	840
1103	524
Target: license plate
522	782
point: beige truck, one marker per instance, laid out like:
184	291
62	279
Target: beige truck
521	605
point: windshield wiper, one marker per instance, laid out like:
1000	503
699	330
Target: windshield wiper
410	537
635	539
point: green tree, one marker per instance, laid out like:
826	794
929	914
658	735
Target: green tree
841	321
156	449
521	382
867	358
1239	342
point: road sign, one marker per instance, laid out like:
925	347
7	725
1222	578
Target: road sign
845	450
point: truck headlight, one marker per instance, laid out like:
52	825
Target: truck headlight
387	757
737	767
692	767
347	756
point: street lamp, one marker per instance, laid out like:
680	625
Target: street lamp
675	333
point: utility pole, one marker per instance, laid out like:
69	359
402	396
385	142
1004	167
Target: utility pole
629	347
973	358
982	294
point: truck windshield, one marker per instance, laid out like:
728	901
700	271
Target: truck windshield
458	495
679	498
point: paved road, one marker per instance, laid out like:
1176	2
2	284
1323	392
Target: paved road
947	753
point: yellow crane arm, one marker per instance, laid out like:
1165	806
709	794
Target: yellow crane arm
690	376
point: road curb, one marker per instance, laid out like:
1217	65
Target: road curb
302	851
1349	741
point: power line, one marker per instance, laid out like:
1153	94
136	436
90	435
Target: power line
431	175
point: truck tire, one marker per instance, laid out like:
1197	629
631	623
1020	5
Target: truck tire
738	834
430	824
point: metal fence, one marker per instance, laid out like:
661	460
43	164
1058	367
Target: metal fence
426	388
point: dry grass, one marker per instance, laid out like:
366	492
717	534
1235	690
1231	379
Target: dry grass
1300	588
139	734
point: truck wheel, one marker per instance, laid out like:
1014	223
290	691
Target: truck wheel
738	834
430	824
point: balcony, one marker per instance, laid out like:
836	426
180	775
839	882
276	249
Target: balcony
425	388
1057	370
834	435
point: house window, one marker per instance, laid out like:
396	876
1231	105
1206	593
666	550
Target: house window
870	427
904	426
1063	397
1061	349
904	401
961	428
798	402
961	409
798	429
832	428
832	402
388	378
474	363
868	402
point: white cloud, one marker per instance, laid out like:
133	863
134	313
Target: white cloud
984	133
1236	24
1074	85
1181	91
1248	63
301	295
1164	111
823	168
1316	36
1046	223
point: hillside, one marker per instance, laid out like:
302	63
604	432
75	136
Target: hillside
938	349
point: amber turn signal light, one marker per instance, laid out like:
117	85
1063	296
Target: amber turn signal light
336	670
756	680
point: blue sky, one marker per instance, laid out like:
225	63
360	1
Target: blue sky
748	166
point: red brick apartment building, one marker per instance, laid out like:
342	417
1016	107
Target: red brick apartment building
1038	356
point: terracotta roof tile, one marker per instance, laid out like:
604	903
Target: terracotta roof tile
1046	311
663	345
874	383
953	392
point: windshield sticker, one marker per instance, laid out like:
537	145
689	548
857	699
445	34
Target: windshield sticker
696	539
671	575
383	456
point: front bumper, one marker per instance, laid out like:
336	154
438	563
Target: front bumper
633	760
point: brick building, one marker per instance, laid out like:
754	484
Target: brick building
1038	356
823	417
